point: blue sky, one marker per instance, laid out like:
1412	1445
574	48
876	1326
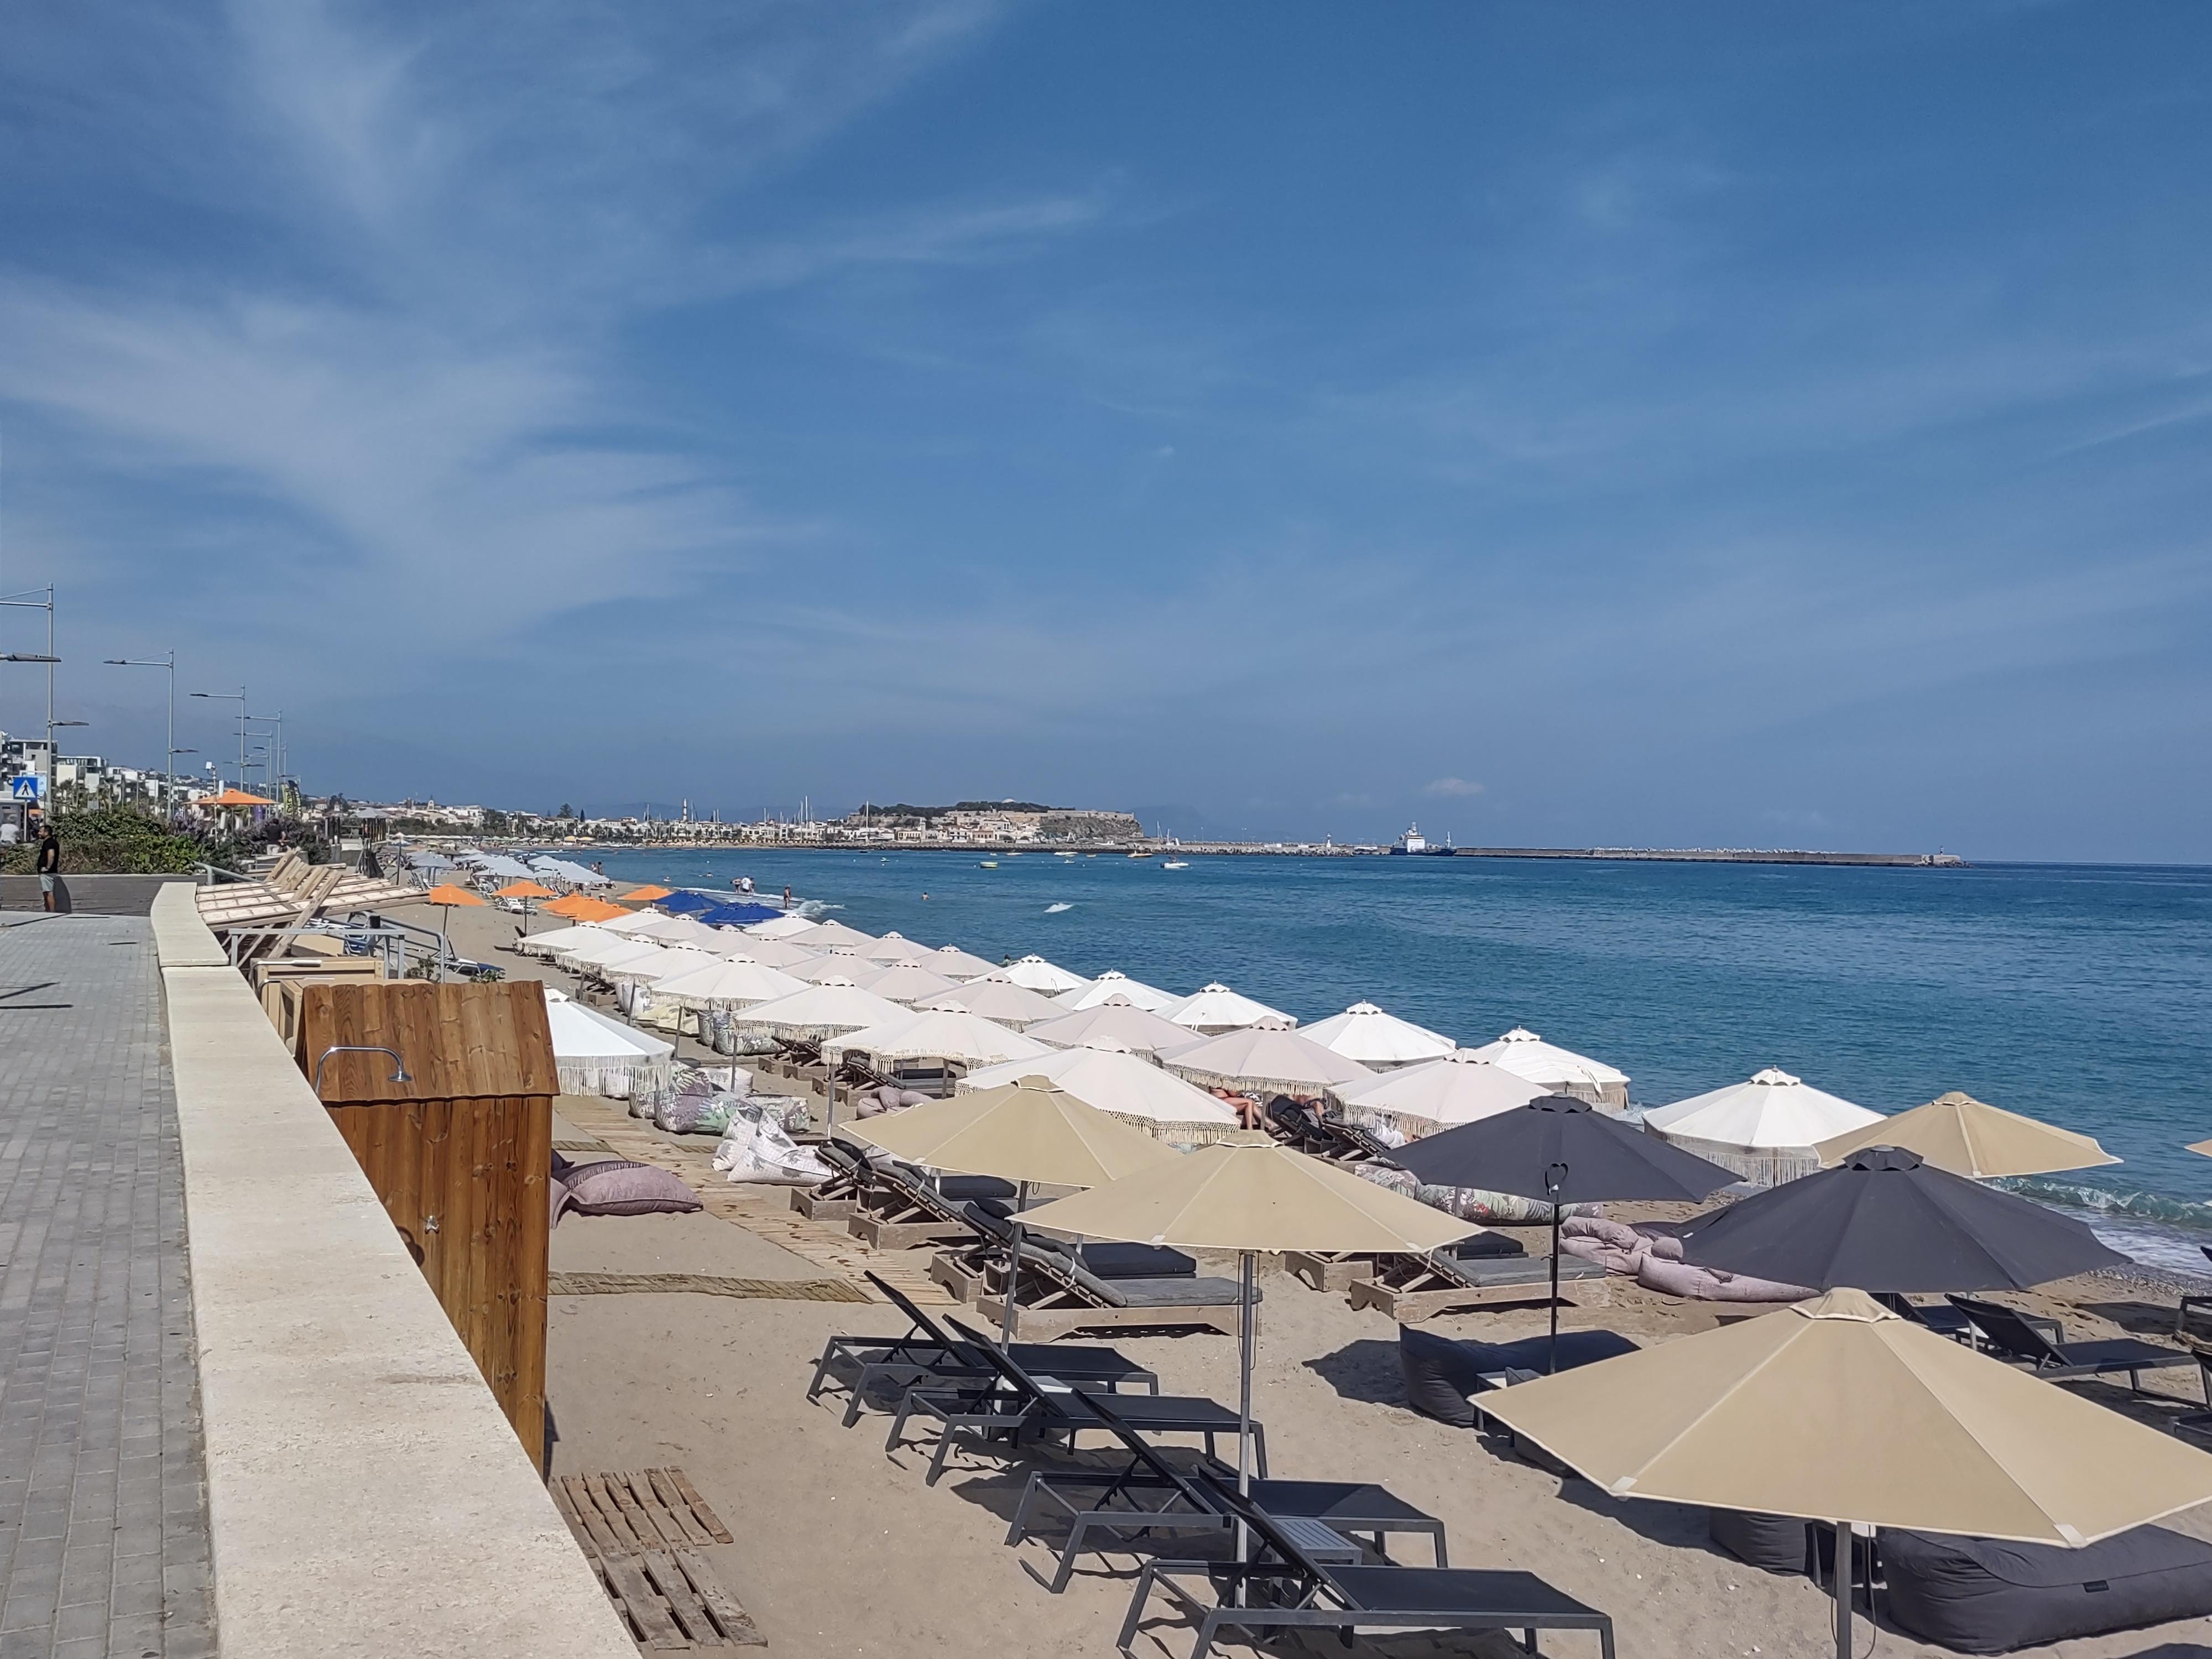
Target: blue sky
1734	424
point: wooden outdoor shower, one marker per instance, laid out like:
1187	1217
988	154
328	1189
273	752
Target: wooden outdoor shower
461	1152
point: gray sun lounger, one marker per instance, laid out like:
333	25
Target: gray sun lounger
2008	1333
1346	1508
1016	1406
1058	1293
979	1268
851	1173
1945	1319
1303	1590
901	1209
927	1354
1412	1288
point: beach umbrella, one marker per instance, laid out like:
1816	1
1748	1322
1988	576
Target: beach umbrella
719	979
523	891
835	935
1884	1220
904	981
1028	1132
1838	1410
2202	1148
1250	1199
449	898
1968	1137
894	947
675	959
1439	1094
1771	1114
776	952
1562	1071
783	927
1562	1150
686	930
546	945
1124	1087
832	965
955	964
637	924
1213	1009
817	1012
1364	1033
996	996
937	1034
738	914
1114	983
1033	973
646	894
1255	1058
591	951
593	1054
1118	1022
685	903
579	906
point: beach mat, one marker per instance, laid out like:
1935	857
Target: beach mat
770	1290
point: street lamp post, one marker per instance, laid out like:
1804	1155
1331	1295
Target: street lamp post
238	697
23	602
170	662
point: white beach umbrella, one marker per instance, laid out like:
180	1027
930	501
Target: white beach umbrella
1215	1008
955	964
635	954
819	1012
769	952
1123	1085
1364	1033
1033	973
937	1034
998	998
1453	1089
832	965
1773	1111
895	947
593	1054
1138	1029
1525	1054
1256	1057
1115	983
732	984
680	959
688	930
589	952
639	924
547	944
784	926
904	981
835	935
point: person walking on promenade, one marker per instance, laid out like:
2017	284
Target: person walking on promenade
49	866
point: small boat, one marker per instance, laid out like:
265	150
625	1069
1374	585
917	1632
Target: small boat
1141	855
1174	864
987	864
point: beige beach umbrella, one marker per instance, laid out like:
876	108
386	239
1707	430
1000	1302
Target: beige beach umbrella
998	998
1249	1199
1126	1087
734	983
1116	1021
832	936
1047	978
816	1012
1968	1137
789	925
830	966
904	981
895	947
950	1034
1377	1040
1838	1410
1030	1132
768	952
1286	1062
955	964
1114	983
1455	1088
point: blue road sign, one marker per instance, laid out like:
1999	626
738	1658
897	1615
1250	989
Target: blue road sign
26	786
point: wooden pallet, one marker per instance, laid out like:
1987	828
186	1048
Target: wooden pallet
773	1290
641	1530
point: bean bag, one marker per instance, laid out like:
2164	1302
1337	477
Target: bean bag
1711	1284
621	1187
1443	1375
1980	1596
1773	1543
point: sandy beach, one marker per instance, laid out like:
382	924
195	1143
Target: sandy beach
840	1549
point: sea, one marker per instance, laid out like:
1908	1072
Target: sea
2079	994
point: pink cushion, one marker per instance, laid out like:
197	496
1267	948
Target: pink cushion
619	1187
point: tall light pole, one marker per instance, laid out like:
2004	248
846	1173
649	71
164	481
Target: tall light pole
238	697
170	662
23	601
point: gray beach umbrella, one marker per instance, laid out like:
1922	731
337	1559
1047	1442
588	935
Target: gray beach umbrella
1562	1151
1884	1222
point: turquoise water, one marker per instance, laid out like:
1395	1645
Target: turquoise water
2078	994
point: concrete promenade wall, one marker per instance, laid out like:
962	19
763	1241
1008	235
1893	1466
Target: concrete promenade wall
366	1496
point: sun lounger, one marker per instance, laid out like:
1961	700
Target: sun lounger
1945	1319
1300	1590
979	1268
1017	1405
1412	1288
1299	1126
1349	1508
1058	1294
900	1209
1443	1375
2009	1334
928	1354
851	1173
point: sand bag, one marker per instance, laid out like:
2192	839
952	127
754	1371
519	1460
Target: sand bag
756	1149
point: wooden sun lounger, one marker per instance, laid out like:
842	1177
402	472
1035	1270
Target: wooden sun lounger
1057	1295
1412	1288
1331	1270
900	1210
838	1198
978	1268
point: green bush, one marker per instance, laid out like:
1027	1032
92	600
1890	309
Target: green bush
115	839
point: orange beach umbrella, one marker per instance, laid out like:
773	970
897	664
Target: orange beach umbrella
646	894
524	890
446	896
577	908
234	797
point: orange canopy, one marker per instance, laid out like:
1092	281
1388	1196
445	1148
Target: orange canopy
525	889
447	893
577	908
646	894
234	797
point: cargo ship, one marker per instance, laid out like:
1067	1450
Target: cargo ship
1411	845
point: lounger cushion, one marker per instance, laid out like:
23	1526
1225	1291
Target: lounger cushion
959	1189
1138	1261
1443	1375
620	1187
1978	1595
1190	1292
1773	1543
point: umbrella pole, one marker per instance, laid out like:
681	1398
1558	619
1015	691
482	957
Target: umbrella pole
1014	1264
1844	1550
1551	1359
1245	1321
443	912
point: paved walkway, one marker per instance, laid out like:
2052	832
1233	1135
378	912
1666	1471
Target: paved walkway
103	1479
